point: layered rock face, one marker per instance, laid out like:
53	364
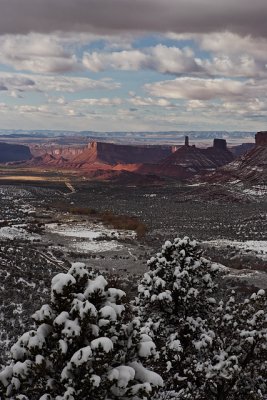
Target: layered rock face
112	154
67	152
261	138
250	168
14	152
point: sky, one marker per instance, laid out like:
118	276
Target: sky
133	65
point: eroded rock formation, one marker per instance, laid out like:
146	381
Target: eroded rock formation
162	161
261	138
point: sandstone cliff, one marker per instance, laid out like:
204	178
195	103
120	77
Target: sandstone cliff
112	154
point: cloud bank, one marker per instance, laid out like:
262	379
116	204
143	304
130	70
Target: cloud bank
110	16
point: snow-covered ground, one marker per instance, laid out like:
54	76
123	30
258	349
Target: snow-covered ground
258	191
17	232
85	237
257	248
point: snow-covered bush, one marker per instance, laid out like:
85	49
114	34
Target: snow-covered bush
175	297
79	347
202	347
234	364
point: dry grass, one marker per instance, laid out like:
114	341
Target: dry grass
108	218
124	222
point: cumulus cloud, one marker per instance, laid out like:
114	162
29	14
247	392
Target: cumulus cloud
177	61
246	109
24	109
15	94
37	53
124	60
196	105
243	66
17	82
159	58
233	44
60	108
149	101
46	110
233	55
46	83
242	16
55	52
194	88
4	107
103	101
203	89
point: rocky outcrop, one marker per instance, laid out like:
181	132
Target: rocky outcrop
189	160
189	157
261	138
219	153
220	144
14	153
250	168
50	160
67	152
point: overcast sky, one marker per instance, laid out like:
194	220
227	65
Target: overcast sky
129	65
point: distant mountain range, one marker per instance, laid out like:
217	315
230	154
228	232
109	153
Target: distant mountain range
160	137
